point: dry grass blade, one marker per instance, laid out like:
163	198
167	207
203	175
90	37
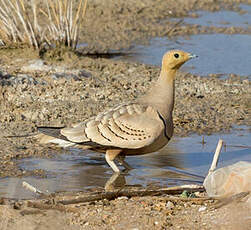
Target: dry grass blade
84	10
64	22
8	21
33	35
15	18
21	25
24	22
34	9
52	8
77	13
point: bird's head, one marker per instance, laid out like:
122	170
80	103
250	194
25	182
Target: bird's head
174	59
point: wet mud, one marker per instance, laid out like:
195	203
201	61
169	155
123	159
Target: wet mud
112	26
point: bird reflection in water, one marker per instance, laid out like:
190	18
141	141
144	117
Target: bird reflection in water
163	167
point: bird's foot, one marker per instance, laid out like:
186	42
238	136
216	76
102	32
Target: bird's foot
121	160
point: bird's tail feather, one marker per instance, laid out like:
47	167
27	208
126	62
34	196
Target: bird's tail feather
52	131
44	139
53	135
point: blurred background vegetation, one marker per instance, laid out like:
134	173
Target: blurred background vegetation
36	24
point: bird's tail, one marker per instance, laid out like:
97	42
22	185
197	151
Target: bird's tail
53	135
51	131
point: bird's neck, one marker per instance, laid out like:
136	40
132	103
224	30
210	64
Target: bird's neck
161	95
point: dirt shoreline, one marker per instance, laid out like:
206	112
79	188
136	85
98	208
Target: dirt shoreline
65	88
115	26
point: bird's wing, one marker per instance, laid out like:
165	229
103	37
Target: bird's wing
129	126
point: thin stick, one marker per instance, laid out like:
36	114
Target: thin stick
31	188
216	156
240	146
60	206
113	195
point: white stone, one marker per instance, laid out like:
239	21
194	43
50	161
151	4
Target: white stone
203	208
169	205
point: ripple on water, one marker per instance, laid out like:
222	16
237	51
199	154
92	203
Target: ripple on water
218	53
223	18
182	161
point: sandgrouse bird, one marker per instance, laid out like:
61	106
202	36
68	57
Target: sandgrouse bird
138	127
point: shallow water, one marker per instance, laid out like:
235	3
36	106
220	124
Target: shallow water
218	53
182	161
223	18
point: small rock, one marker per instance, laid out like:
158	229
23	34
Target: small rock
131	70
83	73
123	198
202	208
20	79
67	76
36	65
169	205
197	194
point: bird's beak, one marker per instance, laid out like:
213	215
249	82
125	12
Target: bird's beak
192	56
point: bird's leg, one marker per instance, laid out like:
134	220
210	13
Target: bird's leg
121	160
110	155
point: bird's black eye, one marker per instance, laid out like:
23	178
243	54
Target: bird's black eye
176	55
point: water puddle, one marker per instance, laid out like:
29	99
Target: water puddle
184	160
223	18
218	53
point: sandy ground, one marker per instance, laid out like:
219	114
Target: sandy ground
164	212
66	88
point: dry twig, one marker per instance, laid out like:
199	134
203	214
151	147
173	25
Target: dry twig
32	188
216	156
60	205
130	193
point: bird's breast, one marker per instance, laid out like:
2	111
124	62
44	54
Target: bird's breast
158	144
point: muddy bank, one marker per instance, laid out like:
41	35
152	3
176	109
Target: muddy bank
164	212
113	25
65	94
